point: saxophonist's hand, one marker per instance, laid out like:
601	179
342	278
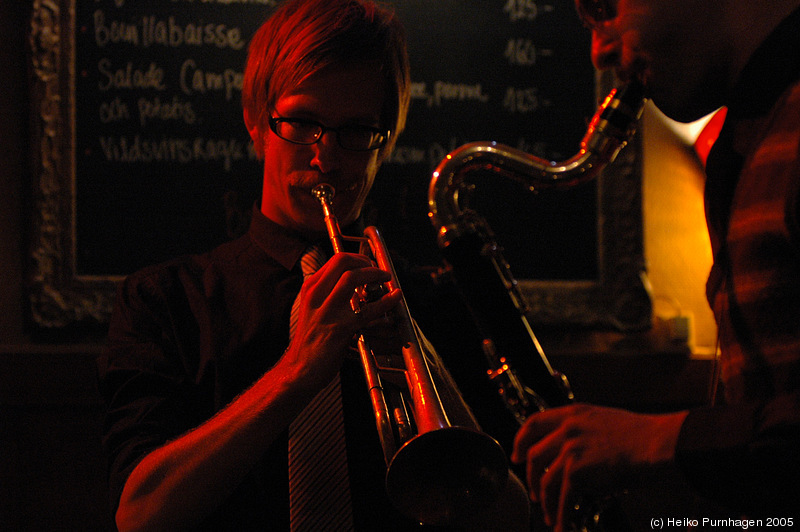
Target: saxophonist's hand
581	453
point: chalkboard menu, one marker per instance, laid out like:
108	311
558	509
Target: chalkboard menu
164	165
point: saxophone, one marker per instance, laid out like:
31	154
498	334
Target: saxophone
463	235
484	278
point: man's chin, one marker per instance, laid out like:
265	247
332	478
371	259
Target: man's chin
685	107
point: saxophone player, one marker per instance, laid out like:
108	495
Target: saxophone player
693	57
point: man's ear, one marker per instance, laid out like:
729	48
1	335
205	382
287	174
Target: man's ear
256	134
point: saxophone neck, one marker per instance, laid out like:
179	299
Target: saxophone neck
611	127
615	121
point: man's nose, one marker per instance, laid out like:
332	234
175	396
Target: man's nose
606	49
327	152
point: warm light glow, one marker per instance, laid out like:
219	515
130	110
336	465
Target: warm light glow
691	132
677	247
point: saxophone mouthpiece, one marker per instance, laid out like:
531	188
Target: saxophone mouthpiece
632	92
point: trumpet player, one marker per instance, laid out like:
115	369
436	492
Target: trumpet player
203	378
694	56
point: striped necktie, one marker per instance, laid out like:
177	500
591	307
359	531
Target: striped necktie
319	486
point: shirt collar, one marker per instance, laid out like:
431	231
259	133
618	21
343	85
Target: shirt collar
281	244
284	245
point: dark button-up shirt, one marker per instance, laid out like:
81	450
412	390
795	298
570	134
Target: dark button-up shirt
189	335
746	452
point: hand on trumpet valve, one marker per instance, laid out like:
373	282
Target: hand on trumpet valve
326	323
383	332
366	294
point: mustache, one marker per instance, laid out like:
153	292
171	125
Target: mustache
308	182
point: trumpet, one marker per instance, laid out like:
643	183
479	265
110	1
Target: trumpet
437	473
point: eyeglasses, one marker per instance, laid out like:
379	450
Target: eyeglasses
307	132
594	12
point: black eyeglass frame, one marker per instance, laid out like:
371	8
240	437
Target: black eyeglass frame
274	122
593	13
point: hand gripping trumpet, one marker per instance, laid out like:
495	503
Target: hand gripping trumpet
437	473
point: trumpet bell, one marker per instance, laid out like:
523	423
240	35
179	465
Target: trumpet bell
447	475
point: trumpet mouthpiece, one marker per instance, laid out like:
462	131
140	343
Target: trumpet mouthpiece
323	191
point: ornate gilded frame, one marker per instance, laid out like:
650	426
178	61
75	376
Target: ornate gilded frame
60	297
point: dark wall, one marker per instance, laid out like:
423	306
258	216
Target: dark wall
14	169
51	465
51	469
